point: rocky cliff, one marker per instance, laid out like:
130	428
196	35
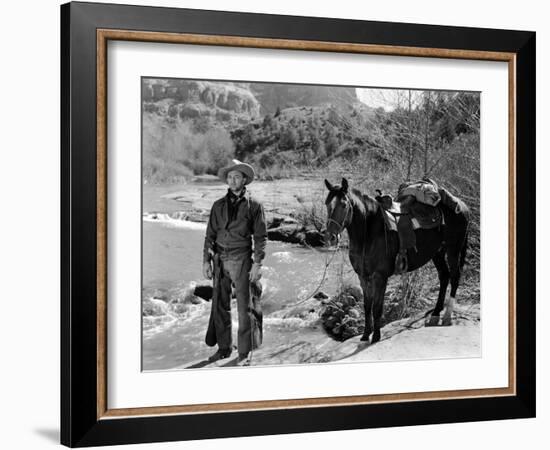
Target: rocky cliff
189	99
233	104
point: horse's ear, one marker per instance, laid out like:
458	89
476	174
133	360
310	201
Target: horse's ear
344	185
328	185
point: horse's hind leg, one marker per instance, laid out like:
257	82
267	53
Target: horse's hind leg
454	264
443	272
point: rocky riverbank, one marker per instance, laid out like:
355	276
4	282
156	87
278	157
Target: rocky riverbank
406	339
291	206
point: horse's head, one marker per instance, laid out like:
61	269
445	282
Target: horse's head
339	211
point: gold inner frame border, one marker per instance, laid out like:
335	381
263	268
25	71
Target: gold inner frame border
104	35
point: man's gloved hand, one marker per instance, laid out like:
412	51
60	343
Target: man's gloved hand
207	270
255	272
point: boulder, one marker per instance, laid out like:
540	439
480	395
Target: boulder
204	291
342	316
295	234
314	238
189	112
284	233
154	307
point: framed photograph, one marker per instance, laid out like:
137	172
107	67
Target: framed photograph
278	224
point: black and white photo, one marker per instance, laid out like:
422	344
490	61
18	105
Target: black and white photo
299	224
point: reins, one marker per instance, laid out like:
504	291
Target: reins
321	282
341	227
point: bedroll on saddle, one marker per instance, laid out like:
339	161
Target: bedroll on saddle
427	191
424	191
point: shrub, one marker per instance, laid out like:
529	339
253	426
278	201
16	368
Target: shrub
173	153
288	139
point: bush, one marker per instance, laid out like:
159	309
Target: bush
268	122
173	153
201	125
158	171
288	139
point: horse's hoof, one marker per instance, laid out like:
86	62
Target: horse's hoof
433	321
446	322
365	337
375	337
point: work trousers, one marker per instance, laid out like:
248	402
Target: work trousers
234	270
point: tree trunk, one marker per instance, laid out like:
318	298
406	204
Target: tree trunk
427	135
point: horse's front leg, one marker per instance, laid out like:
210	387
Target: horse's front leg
377	285
367	302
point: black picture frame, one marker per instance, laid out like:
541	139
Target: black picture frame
81	423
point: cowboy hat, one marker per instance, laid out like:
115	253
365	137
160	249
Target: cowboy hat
245	168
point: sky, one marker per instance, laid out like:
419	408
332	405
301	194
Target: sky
385	98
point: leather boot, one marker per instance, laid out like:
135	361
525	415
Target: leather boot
222	353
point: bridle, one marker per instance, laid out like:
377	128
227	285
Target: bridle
349	211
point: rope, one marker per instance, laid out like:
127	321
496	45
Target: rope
250	313
341	226
321	282
311	294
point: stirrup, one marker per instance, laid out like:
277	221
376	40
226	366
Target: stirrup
401	264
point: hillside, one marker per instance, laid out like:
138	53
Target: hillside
273	96
193	127
305	137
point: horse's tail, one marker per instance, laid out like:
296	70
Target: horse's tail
463	250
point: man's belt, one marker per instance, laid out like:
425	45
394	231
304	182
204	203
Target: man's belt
223	249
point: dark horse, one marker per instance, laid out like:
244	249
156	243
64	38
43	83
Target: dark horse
373	249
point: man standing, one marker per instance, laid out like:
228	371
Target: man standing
236	231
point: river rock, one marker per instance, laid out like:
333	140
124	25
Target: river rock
348	300
277	221
295	234
314	238
204	291
154	307
180	308
342	316
284	233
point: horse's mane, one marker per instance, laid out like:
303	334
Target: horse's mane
366	204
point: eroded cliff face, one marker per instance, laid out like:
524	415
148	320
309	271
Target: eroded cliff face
234	104
224	102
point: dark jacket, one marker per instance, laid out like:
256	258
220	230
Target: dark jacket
248	225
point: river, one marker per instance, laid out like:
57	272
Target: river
175	322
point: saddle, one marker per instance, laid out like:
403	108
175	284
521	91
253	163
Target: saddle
416	208
409	209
